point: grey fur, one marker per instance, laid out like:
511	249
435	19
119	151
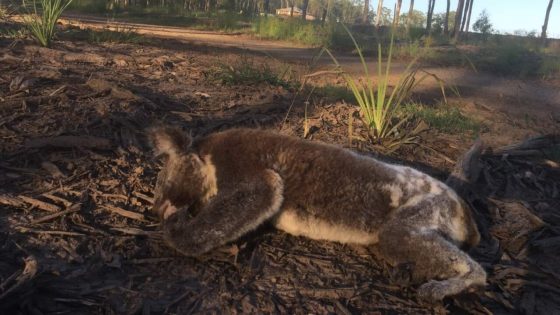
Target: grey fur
235	180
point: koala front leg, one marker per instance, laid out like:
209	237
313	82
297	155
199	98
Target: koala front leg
233	212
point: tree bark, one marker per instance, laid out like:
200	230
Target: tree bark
458	15
397	13
446	22
304	9
431	5
408	18
379	13
365	16
469	19
292	8
545	25
464	18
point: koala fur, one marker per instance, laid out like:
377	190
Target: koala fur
238	179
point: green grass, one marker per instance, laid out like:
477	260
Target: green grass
13	31
444	118
247	72
3	13
42	21
334	93
296	30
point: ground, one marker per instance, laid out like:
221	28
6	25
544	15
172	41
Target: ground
76	182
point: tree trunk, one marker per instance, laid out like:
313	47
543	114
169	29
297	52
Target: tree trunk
397	12
446	22
365	16
292	8
379	13
266	7
545	25
304	9
431	5
464	18
408	19
458	15
469	19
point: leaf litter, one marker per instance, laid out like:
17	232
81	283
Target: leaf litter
76	181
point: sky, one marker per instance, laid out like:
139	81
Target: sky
505	15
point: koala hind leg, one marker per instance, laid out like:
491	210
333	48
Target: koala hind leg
233	212
435	259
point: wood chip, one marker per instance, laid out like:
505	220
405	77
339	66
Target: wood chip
11	201
125	213
40	204
49	217
133	231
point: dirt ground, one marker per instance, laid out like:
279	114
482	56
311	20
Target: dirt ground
76	180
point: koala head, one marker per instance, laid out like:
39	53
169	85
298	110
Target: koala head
182	180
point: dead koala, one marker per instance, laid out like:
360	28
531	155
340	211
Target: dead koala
237	179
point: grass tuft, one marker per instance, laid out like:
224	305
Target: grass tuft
379	104
246	72
42	21
444	118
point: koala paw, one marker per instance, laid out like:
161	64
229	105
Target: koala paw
432	291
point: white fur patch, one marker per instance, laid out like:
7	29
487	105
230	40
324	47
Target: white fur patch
395	192
208	171
289	221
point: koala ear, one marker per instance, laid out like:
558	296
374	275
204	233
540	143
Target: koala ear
170	141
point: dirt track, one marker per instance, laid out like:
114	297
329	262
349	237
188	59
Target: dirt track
533	98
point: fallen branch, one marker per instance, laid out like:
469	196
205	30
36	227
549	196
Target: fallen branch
134	231
70	142
22	229
467	169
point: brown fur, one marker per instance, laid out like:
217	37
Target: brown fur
238	179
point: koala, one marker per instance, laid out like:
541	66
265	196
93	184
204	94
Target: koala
236	180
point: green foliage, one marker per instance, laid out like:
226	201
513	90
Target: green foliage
3	13
12	32
334	93
246	72
443	118
482	24
89	6
418	19
118	35
43	26
297	30
513	57
438	22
